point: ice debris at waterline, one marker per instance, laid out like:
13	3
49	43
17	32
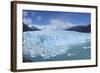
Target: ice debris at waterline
51	43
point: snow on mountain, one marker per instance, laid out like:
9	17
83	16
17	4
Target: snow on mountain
29	28
51	43
55	24
53	27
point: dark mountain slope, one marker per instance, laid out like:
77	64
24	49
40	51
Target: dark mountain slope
85	29
27	28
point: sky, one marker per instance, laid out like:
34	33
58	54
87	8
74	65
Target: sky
55	19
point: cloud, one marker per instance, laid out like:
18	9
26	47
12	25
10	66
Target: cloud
39	17
25	13
27	21
59	24
33	13
55	24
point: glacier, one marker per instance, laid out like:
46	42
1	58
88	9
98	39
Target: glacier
51	43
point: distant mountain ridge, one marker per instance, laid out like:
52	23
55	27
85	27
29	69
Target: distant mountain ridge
27	28
85	29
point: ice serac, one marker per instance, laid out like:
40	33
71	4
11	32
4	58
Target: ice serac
51	43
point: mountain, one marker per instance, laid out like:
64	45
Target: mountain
27	28
85	29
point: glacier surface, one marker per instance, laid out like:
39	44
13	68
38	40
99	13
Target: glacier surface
51	43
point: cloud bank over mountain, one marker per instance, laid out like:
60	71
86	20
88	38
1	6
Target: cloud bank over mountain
53	24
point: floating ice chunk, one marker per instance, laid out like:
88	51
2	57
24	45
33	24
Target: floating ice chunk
70	54
85	48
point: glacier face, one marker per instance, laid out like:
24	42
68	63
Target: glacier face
51	43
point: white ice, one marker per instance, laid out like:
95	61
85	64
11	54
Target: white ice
51	43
